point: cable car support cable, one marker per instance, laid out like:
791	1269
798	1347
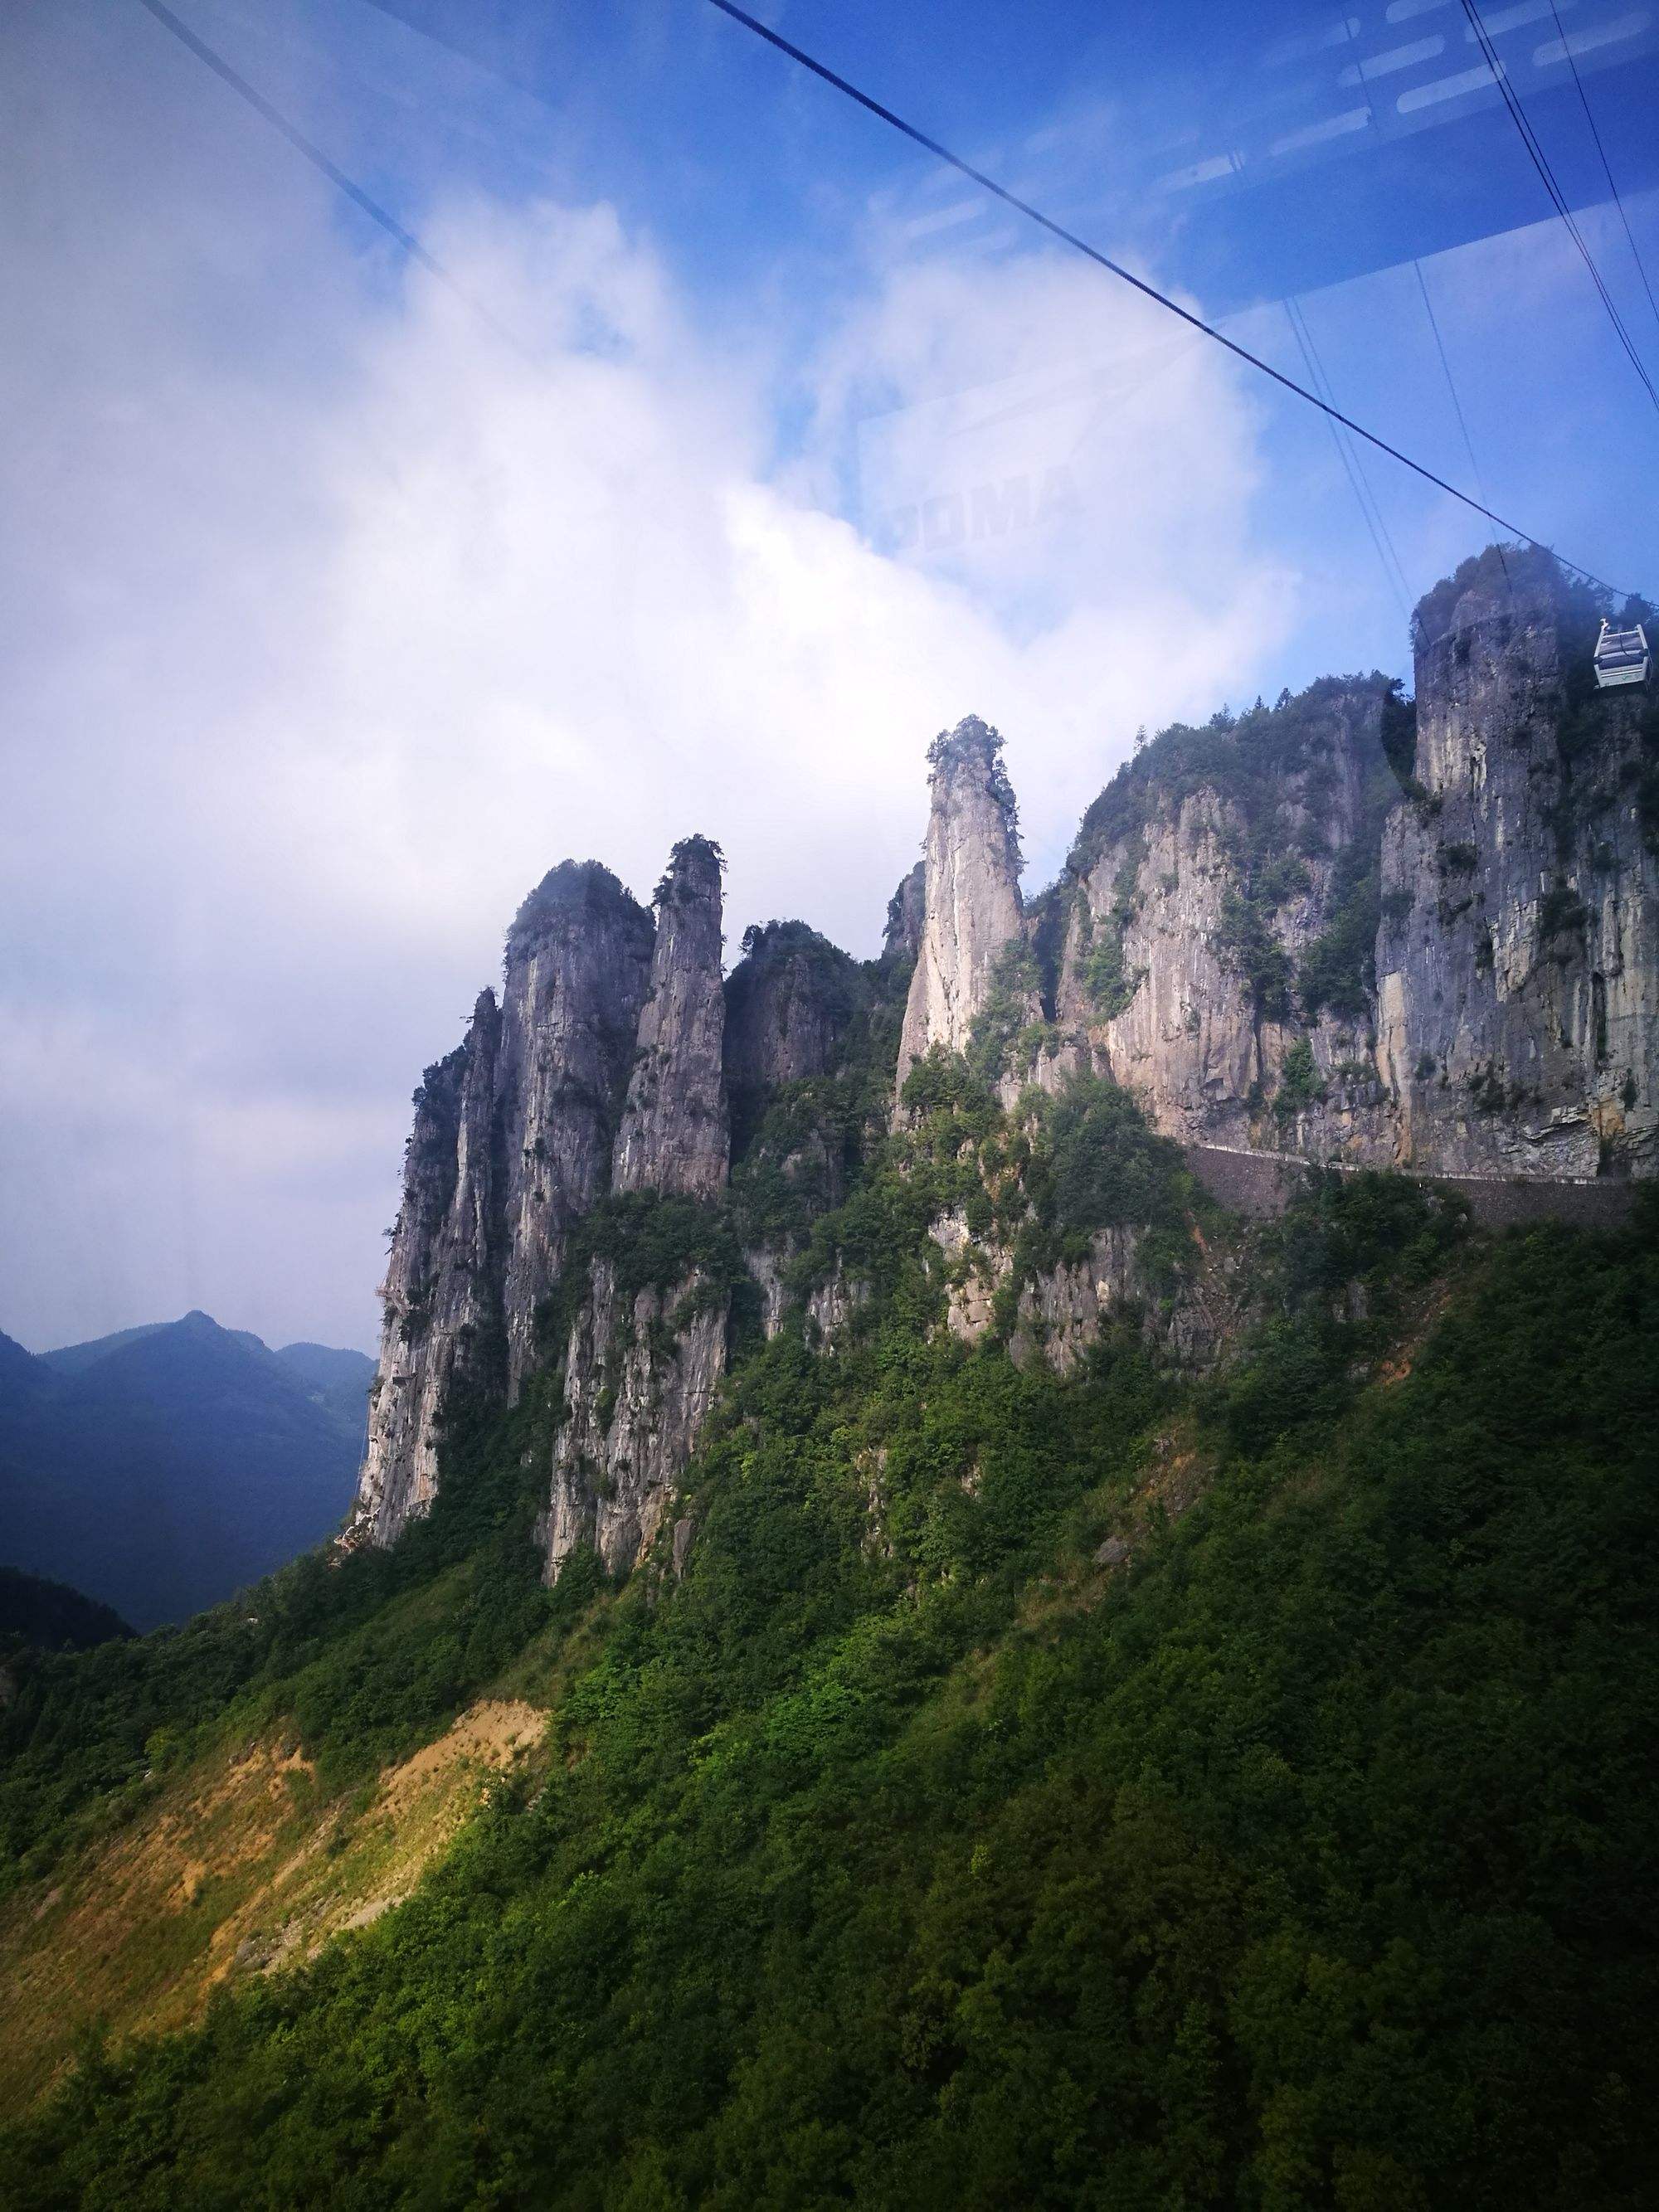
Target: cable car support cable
920	138
1359	483
1606	168
1547	174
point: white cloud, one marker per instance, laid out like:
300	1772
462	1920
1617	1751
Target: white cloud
324	658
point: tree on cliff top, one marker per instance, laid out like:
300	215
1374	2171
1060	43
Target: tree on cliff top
976	743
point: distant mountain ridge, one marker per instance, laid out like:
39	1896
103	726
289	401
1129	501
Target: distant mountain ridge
161	1468
51	1616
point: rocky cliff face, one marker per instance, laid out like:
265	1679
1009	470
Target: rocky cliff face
511	1146
1203	903
971	912
640	1374
1062	1312
1518	958
442	1328
788	1002
578	964
1309	930
1343	927
674	1134
905	909
640	1369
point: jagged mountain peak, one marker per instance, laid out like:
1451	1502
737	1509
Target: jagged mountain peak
571	894
969	760
1347	926
674	1135
972	913
696	865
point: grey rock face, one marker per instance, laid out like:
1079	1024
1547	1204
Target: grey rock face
602	1068
975	1273
1060	1313
1156	982
639	1376
511	1146
578	962
441	1323
1507	1024
833	1304
767	1263
640	1373
684	1530
788	1004
971	903
1518	960
906	911
674	1134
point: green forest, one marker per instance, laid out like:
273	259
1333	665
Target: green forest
1146	1789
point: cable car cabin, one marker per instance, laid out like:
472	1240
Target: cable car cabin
1621	656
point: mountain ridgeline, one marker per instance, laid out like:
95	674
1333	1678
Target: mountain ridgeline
160	1469
1351	929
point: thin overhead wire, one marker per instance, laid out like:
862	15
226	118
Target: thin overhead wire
419	253
1350	24
320	160
920	138
1457	404
1348	454
1364	496
1557	198
1606	170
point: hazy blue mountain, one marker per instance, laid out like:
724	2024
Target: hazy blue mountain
335	1378
52	1615
75	1358
160	1469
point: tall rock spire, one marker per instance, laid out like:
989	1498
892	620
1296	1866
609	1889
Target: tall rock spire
971	903
578	959
511	1146
674	1134
640	1369
442	1325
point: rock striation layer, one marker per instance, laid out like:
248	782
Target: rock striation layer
1518	960
675	1135
441	1324
641	1367
971	911
579	960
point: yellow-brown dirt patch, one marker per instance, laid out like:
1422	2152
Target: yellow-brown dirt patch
237	1868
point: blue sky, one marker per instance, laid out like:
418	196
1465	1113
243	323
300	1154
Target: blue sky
332	618
750	177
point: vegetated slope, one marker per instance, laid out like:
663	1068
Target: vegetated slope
239	1862
160	1469
1123	1791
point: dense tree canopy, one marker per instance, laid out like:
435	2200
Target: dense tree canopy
1124	1792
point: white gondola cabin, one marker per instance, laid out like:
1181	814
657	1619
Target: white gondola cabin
1621	656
